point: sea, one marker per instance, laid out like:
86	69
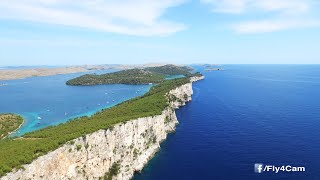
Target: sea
244	115
48	101
240	116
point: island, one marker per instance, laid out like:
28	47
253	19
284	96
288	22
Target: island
9	123
214	69
10	73
111	144
132	76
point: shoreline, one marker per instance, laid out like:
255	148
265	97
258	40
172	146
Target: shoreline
12	132
118	141
17	128
128	144
14	74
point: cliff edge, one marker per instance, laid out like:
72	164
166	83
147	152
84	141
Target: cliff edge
115	153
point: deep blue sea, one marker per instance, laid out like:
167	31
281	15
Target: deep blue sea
46	101
244	115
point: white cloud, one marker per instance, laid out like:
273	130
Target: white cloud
264	26
283	6
132	17
245	6
262	16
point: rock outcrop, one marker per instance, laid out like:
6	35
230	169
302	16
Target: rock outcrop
117	152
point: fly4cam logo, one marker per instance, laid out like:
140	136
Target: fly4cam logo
260	168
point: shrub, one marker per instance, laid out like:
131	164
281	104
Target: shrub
79	147
113	171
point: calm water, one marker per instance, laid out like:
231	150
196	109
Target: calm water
54	102
247	114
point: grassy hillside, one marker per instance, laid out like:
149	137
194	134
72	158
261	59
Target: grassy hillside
170	69
16	152
132	76
9	123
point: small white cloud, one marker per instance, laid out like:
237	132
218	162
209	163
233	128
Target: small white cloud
247	6
132	17
262	16
284	6
264	26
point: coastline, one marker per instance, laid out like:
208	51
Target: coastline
12	74
14	131
130	144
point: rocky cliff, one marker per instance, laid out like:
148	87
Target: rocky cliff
115	153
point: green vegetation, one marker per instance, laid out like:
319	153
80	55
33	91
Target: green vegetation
197	74
16	152
170	69
79	147
135	153
185	96
167	120
114	170
9	123
132	76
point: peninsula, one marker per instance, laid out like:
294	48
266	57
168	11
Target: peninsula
132	76
112	144
9	123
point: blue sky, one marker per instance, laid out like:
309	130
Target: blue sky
67	32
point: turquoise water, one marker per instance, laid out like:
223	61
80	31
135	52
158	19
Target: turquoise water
46	101
174	77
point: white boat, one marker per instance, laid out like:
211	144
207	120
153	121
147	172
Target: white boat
39	118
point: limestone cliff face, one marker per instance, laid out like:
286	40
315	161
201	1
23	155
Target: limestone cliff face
196	78
179	96
127	147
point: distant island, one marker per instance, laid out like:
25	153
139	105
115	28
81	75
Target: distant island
10	73
132	76
214	69
9	123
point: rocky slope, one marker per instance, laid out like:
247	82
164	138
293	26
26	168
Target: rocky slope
116	152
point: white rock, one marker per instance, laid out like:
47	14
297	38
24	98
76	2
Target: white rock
131	144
